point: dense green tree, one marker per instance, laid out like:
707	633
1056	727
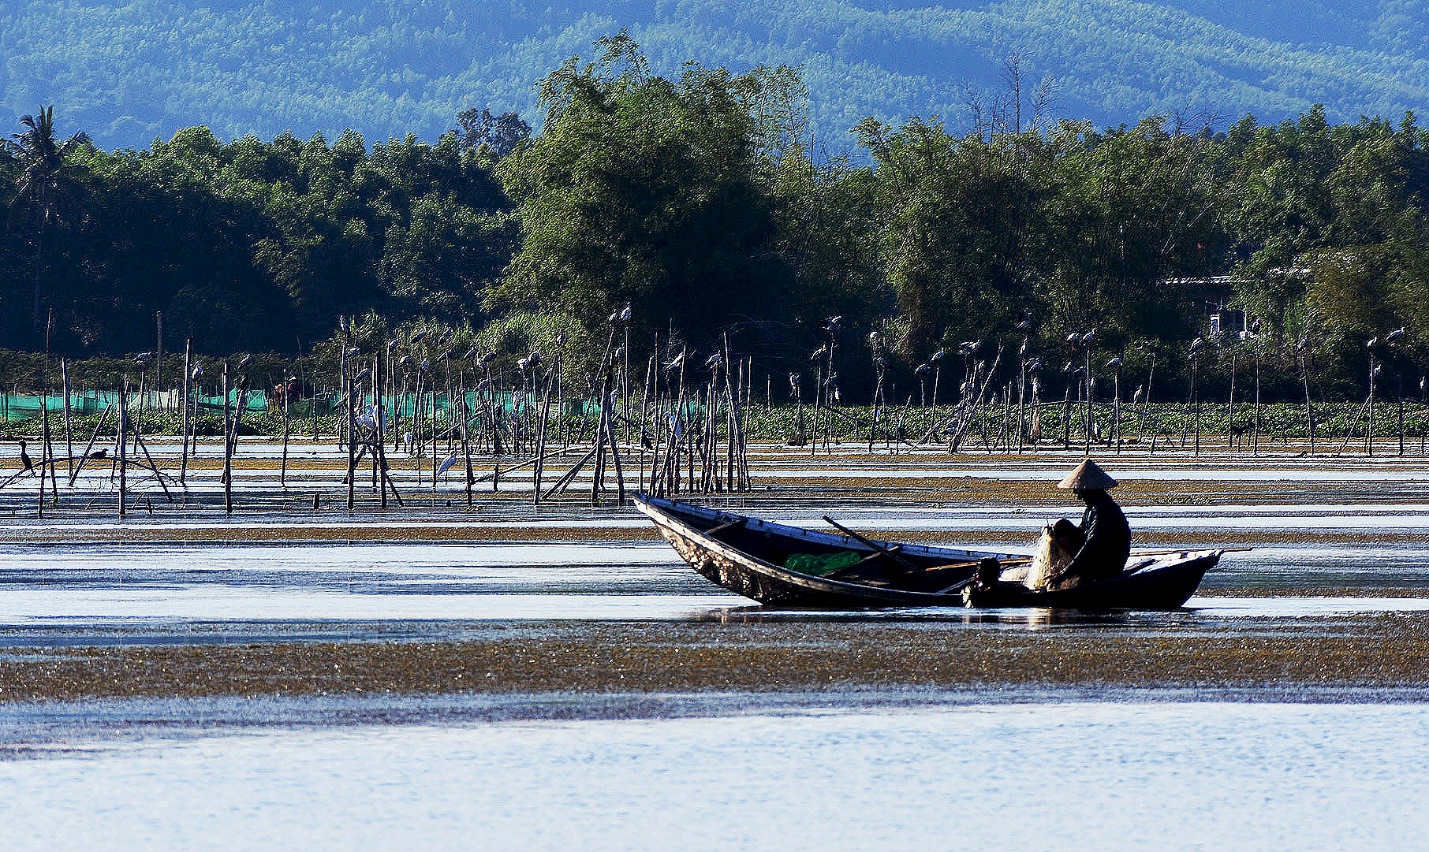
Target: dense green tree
44	185
1332	226
498	134
961	219
645	189
1132	224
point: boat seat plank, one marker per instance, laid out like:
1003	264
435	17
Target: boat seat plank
734	524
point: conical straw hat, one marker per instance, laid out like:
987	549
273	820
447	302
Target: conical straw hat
1088	476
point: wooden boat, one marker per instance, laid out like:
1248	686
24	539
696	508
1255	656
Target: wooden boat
747	556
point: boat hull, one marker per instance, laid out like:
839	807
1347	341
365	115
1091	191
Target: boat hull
745	555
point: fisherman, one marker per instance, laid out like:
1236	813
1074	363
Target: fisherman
1104	533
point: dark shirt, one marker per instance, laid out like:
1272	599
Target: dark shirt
1108	544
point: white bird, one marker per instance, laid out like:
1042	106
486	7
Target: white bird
446	465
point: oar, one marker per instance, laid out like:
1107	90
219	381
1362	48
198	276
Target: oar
1187	550
903	563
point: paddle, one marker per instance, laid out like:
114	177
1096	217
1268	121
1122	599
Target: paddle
902	563
1140	553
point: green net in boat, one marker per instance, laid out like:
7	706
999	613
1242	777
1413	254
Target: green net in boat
820	564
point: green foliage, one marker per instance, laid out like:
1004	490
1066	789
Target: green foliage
643	189
699	199
254	245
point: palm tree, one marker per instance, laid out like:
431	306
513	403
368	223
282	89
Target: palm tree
43	181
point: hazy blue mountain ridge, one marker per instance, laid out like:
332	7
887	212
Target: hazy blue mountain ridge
129	71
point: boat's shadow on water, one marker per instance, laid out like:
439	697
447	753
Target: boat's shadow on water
1013	617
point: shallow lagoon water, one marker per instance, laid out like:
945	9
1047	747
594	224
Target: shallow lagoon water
1044	774
151	586
1014	768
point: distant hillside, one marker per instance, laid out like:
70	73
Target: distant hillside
129	71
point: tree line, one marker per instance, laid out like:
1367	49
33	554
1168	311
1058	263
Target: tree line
703	201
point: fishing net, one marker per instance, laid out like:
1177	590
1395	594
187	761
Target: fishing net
821	564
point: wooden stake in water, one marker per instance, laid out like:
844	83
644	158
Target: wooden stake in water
184	441
287	394
122	442
227	446
69	436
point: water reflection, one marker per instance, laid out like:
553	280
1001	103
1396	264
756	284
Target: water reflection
78	590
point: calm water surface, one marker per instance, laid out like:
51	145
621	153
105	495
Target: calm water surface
1039	775
1019	770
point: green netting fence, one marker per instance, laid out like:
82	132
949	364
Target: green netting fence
15	406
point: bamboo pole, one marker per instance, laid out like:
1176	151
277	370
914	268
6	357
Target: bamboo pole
184	449
287	399
69	435
121	443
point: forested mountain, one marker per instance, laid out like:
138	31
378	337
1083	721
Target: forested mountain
130	71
